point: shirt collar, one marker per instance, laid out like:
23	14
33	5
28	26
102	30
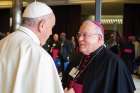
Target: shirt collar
30	33
97	51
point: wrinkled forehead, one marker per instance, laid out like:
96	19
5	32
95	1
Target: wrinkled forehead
50	19
91	27
87	26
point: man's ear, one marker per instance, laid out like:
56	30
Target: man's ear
100	37
41	25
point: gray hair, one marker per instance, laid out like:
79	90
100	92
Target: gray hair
29	21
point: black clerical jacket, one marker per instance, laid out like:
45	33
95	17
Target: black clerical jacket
106	73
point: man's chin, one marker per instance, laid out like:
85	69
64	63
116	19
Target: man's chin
43	43
82	50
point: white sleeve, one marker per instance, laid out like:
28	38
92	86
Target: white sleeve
48	80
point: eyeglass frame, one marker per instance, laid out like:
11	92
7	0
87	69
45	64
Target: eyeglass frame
85	35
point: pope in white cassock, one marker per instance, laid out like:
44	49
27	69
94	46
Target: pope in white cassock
25	67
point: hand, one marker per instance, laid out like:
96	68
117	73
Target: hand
71	90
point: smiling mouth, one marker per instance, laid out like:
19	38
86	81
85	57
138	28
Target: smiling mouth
81	45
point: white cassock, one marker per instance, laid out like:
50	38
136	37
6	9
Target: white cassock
25	67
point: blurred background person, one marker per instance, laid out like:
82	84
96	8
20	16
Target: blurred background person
55	50
65	51
113	43
128	53
75	45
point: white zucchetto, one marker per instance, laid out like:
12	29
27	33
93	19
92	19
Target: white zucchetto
37	9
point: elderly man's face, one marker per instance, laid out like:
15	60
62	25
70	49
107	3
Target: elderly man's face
88	38
47	29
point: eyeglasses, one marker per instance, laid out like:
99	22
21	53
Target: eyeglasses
85	35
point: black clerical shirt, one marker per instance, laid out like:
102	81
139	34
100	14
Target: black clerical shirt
106	74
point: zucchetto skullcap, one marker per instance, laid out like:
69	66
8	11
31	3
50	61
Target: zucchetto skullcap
37	9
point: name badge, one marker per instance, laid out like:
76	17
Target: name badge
74	71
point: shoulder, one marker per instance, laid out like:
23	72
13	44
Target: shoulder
27	45
108	54
110	58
